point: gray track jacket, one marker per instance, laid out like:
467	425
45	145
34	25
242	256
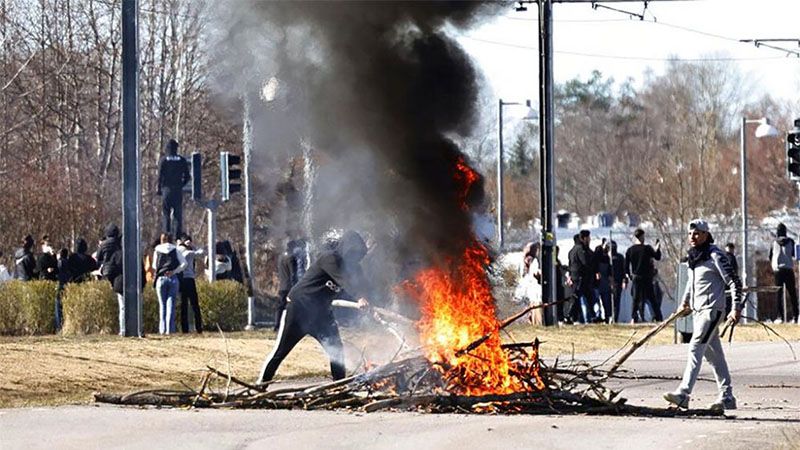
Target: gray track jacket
708	282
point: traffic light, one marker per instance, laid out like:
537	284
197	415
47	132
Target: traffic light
230	169
197	180
793	152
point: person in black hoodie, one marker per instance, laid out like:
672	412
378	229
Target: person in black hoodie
617	277
24	262
582	276
109	260
640	267
334	275
79	264
781	257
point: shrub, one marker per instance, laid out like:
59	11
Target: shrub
90	307
27	307
223	303
10	311
38	307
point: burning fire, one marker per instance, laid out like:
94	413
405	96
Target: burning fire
457	309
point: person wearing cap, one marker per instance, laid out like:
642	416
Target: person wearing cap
173	174
710	275
781	257
335	274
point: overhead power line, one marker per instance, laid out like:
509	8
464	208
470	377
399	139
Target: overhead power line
622	57
761	43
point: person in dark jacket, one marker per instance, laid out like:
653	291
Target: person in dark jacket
602	259
639	266
79	264
168	263
24	262
109	260
730	252
781	257
582	276
617	278
188	287
64	277
173	174
334	275
290	270
47	263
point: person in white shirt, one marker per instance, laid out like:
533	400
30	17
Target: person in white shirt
168	262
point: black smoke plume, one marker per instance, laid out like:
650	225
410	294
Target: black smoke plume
384	94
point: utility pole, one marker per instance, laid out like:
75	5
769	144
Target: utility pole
247	147
500	175
131	180
546	141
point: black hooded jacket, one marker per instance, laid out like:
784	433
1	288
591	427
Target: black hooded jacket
336	274
110	265
79	264
25	264
47	261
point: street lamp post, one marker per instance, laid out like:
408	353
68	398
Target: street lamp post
764	130
500	157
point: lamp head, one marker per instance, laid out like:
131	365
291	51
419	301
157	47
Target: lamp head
765	129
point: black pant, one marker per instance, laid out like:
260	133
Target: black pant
617	295
297	322
642	291
189	295
785	279
172	211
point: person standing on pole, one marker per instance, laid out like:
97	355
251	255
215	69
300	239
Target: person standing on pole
781	256
173	174
639	266
710	275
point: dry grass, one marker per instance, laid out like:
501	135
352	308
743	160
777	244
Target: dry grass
52	370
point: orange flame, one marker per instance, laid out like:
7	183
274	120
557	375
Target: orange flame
458	308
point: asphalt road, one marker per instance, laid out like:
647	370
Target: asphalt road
766	383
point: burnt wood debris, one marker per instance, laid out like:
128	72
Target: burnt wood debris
411	382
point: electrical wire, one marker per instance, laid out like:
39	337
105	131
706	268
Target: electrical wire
623	57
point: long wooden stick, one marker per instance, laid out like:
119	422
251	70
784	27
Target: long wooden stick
635	346
477	342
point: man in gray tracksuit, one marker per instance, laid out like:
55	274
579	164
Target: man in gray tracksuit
710	275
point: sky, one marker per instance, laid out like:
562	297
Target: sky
587	39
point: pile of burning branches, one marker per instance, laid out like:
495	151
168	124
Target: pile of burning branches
414	382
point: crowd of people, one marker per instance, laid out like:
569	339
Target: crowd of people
591	285
168	266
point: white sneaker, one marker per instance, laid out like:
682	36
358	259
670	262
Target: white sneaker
778	321
677	399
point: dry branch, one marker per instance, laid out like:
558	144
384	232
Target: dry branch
635	346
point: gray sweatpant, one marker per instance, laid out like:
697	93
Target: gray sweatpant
705	342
